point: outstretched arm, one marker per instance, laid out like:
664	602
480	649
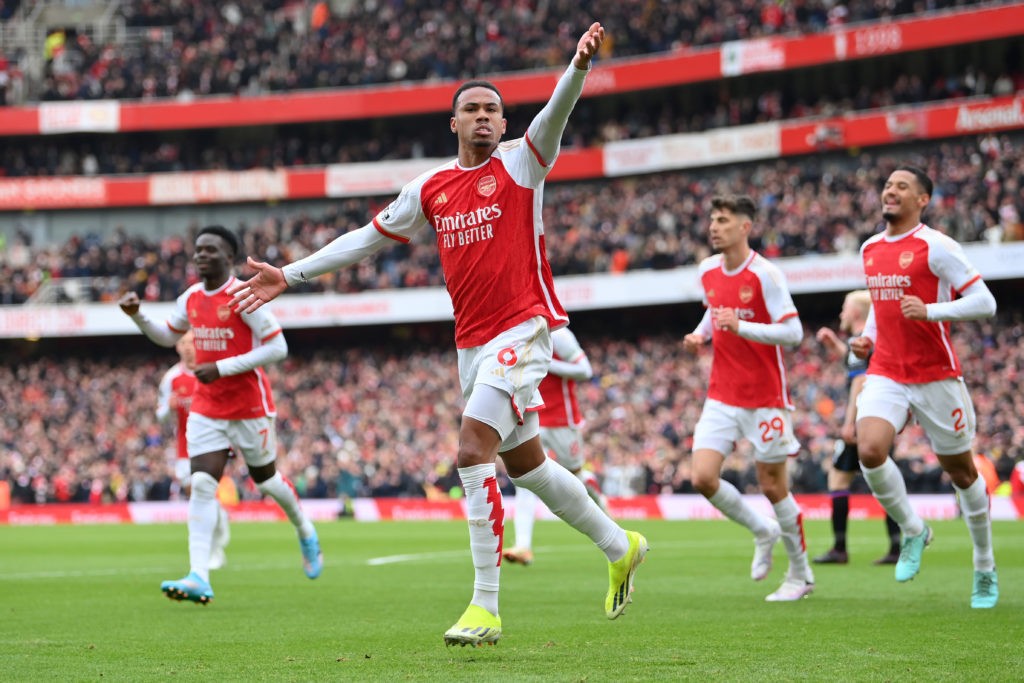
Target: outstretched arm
269	281
545	131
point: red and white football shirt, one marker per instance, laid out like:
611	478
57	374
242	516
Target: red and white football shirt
744	373
923	263
561	409
219	333
180	383
490	239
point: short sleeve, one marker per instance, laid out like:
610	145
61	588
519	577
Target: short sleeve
403	218
947	260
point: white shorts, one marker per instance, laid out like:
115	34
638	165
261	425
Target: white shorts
944	409
513	363
769	430
183	471
254	439
564	445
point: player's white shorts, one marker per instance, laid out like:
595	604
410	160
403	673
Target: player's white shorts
183	471
944	409
513	364
769	430
564	445
254	439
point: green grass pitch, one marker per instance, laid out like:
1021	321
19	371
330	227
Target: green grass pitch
82	603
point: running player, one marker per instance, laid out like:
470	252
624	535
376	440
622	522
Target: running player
914	274
750	316
233	407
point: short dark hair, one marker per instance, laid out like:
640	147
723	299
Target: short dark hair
475	84
739	204
922	178
223	233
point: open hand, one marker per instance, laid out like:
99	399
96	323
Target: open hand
588	46
264	286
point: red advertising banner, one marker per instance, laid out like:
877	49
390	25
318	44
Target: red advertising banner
867	129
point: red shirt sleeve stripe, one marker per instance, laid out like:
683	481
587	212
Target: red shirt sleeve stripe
175	329
271	335
533	149
787	317
381	230
968	284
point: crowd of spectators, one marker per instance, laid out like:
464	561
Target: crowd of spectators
381	418
189	49
816	205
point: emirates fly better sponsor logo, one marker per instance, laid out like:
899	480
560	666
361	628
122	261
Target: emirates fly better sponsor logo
470	227
888	287
212	338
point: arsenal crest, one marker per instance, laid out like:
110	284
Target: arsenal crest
906	258
487	185
223	312
746	294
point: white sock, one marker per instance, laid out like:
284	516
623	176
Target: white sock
974	507
526	510
729	502
282	491
486	518
589	480
792	522
890	490
222	531
566	497
202	518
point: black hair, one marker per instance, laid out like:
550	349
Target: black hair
475	84
922	178
223	233
739	204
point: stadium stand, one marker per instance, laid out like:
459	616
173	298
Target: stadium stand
387	418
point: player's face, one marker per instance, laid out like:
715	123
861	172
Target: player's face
479	118
186	349
847	316
212	256
727	229
903	197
